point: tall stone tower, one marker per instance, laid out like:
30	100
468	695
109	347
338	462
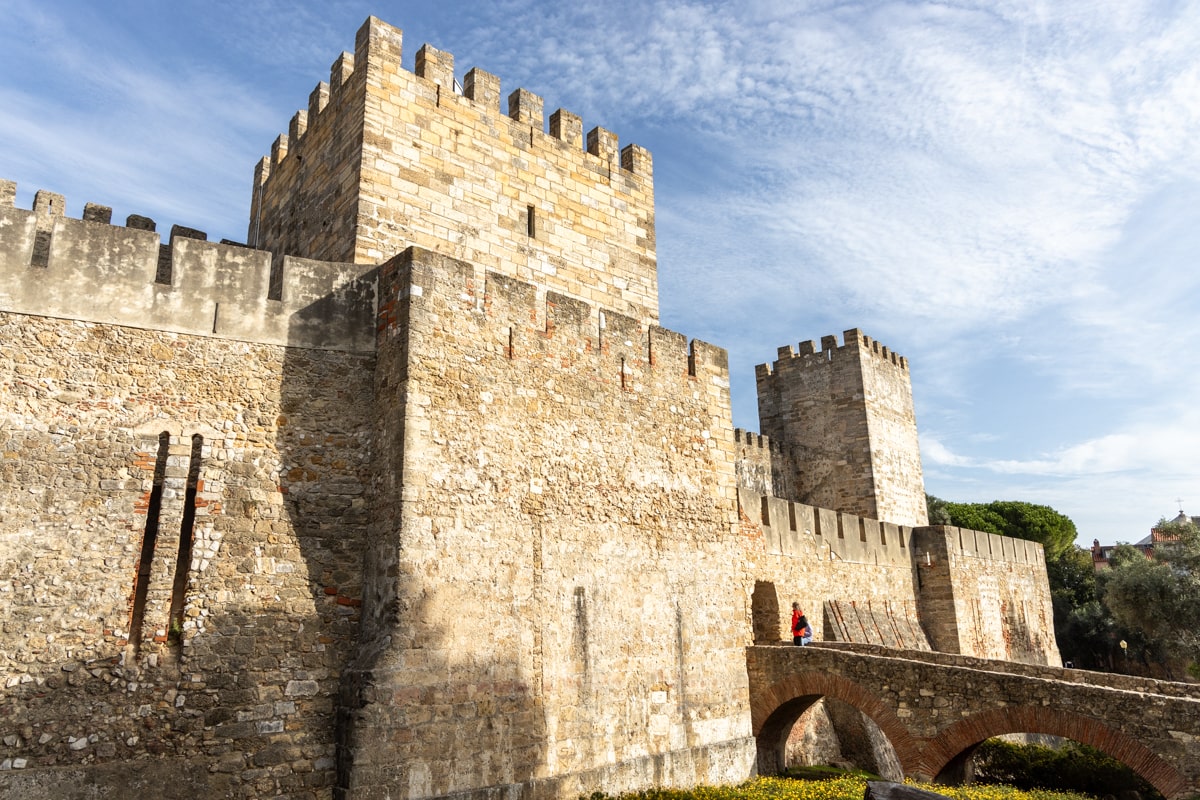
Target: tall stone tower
385	158
844	417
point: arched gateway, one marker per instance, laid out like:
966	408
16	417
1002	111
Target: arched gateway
936	708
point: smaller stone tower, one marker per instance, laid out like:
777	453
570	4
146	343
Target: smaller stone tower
845	422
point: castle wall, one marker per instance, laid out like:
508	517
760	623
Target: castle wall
385	158
860	580
853	576
555	604
464	523
892	422
843	417
97	439
93	271
753	467
985	595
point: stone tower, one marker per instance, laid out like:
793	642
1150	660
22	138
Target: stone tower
385	158
844	417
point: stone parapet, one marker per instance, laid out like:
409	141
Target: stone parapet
55	266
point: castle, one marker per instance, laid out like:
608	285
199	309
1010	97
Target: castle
410	496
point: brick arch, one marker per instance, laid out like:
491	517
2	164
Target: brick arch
967	733
780	704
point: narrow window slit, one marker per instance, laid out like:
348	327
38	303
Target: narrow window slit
41	249
183	560
141	577
531	221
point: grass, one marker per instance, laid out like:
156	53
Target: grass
831	785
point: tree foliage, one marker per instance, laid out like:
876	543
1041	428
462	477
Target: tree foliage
1073	767
1054	531
1072	578
936	509
1159	596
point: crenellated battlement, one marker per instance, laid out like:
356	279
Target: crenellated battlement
519	321
435	69
751	439
856	345
88	269
385	157
814	400
805	531
948	542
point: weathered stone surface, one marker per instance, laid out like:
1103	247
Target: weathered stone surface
452	173
846	434
78	447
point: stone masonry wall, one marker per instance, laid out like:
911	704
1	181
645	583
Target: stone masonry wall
861	580
384	158
237	701
843	417
753	465
829	563
892	422
985	595
87	269
555	606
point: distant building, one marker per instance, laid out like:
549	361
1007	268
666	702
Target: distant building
1157	537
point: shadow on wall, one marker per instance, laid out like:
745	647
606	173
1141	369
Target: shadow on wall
831	732
246	523
764	609
239	699
815	730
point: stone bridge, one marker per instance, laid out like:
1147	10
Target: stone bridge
935	708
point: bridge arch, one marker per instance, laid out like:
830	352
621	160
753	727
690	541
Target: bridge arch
944	753
773	711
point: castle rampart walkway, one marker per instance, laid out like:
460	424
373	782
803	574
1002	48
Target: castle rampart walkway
935	708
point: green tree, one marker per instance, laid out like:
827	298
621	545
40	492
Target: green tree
1054	531
1072	578
1087	636
1159	597
936	508
1082	627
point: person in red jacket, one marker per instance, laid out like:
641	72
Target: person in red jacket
801	630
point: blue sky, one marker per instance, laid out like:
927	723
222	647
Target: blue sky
1007	193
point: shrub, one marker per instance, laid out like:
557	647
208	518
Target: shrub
1073	767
